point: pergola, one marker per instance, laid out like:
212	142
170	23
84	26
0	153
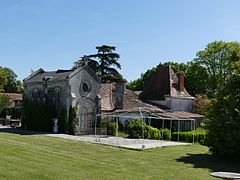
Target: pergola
142	115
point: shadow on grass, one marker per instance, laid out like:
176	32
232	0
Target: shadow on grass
19	130
211	162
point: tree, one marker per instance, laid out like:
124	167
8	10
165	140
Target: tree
103	63
140	83
4	102
201	104
196	79
223	123
13	85
72	120
86	60
215	58
3	79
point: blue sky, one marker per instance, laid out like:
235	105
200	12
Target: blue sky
52	34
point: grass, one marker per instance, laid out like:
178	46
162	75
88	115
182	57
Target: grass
41	157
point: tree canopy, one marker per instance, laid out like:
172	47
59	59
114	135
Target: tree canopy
223	122
205	73
3	79
216	59
9	82
104	63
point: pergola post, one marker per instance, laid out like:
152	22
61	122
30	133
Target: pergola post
178	130
117	126
170	129
95	127
162	128
193	129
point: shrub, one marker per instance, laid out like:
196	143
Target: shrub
151	132
37	116
136	126
72	118
166	134
110	125
199	136
62	123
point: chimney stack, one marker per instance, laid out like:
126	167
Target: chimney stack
181	81
118	93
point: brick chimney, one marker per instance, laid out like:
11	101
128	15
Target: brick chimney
118	93
181	81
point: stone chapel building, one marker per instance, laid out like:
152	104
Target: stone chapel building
64	88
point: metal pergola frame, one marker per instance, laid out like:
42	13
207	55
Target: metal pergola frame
142	117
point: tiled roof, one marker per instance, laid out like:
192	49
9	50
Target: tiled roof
41	75
131	103
180	115
163	82
14	96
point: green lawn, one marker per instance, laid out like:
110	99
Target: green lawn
41	157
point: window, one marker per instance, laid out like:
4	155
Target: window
35	95
57	99
85	88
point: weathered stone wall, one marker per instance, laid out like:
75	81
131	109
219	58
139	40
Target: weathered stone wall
85	88
80	89
47	93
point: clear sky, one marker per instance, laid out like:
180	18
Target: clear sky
52	34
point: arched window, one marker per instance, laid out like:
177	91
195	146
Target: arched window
57	99
35	95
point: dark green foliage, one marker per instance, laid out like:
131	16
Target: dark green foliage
72	119
196	78
4	102
199	136
38	117
62	123
110	125
223	123
140	83
136	127
103	63
12	85
166	134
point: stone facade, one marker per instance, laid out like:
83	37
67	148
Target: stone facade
64	88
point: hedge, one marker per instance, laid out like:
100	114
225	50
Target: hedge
199	136
62	123
37	117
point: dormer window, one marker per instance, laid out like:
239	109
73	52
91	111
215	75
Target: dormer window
46	78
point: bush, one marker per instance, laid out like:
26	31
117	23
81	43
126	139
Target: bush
151	133
72	119
110	125
37	117
199	136
62	123
136	126
166	134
